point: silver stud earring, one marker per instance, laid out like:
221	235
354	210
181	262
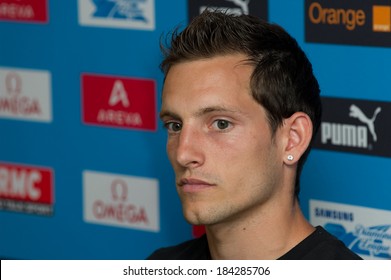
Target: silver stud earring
290	157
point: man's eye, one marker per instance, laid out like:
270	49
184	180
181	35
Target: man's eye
221	124
173	126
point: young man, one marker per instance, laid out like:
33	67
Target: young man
241	106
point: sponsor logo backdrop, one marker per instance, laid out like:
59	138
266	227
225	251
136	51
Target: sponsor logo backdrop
83	168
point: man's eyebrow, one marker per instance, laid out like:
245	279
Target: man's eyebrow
212	109
199	113
168	114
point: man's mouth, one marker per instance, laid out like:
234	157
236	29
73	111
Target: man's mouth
194	185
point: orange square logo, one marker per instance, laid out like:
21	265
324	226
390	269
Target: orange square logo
381	19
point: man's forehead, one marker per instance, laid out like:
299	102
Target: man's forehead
204	110
211	85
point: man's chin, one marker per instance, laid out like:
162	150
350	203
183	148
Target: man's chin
194	218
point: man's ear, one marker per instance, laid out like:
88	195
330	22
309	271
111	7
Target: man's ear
298	132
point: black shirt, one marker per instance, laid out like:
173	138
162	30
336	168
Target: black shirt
320	245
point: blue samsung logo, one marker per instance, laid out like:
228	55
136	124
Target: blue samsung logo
120	9
334	214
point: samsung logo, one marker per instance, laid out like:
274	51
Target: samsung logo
334	214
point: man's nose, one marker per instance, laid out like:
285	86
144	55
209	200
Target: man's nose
190	149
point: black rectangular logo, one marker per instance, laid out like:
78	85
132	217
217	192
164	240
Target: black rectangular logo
257	8
351	22
356	126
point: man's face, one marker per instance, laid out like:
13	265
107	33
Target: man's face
219	142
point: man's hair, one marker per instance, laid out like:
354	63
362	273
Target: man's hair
282	81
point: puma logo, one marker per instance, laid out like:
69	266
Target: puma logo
356	112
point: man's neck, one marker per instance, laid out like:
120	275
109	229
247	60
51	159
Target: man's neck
267	234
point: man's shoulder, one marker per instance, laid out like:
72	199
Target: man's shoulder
195	249
321	245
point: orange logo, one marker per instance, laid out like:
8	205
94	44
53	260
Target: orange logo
381	19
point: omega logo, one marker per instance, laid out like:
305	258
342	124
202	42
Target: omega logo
13	83
16	103
119	210
119	190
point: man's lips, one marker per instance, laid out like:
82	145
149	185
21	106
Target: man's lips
193	185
